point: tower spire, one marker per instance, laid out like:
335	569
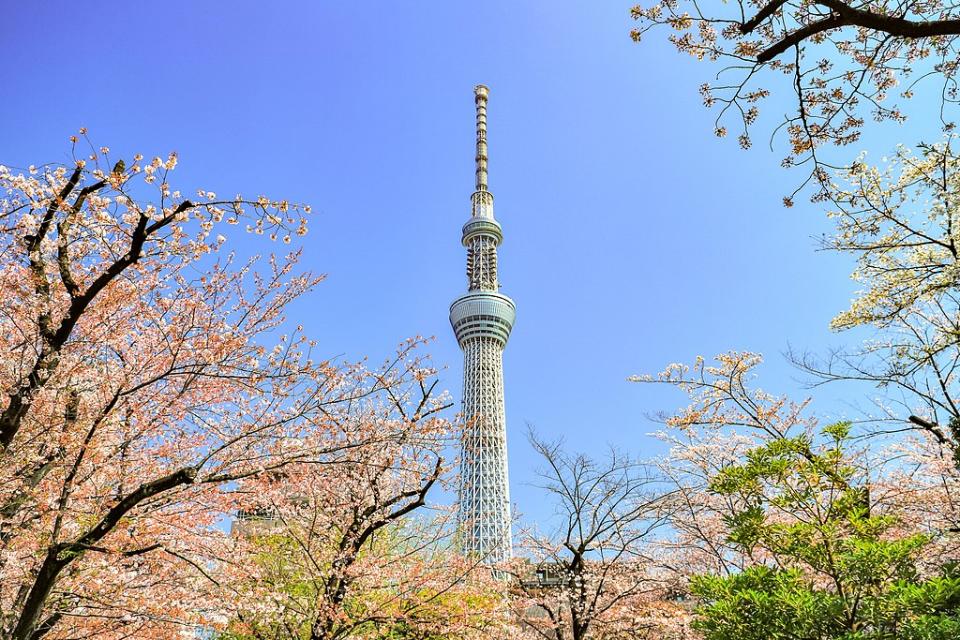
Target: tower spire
482	320
480	94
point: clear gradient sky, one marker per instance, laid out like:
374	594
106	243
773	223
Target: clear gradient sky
633	238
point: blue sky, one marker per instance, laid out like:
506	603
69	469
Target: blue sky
633	238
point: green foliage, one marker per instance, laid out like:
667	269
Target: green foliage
827	566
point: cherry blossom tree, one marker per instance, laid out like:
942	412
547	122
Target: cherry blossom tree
144	374
787	529
845	63
597	575
898	223
354	548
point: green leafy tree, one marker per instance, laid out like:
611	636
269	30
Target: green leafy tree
826	562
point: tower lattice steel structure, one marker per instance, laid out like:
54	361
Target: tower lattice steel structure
482	320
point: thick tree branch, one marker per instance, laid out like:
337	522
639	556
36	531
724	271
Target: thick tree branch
843	15
33	474
54	341
930	427
363	527
44	627
762	15
893	25
63	256
33	241
798	36
421	498
59	556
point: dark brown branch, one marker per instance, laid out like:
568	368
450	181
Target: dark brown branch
843	15
140	552
33	474
33	244
762	15
893	25
63	256
33	241
799	36
930	427
59	556
357	535
72	474
421	498
44	627
145	491
63	237
48	360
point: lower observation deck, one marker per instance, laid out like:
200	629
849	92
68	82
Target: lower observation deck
482	314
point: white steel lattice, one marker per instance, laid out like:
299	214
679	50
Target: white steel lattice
482	320
484	492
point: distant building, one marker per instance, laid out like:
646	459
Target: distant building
254	522
482	320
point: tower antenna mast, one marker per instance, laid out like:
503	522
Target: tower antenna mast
482	320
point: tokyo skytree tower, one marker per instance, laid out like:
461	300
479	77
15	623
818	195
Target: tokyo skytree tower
482	320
